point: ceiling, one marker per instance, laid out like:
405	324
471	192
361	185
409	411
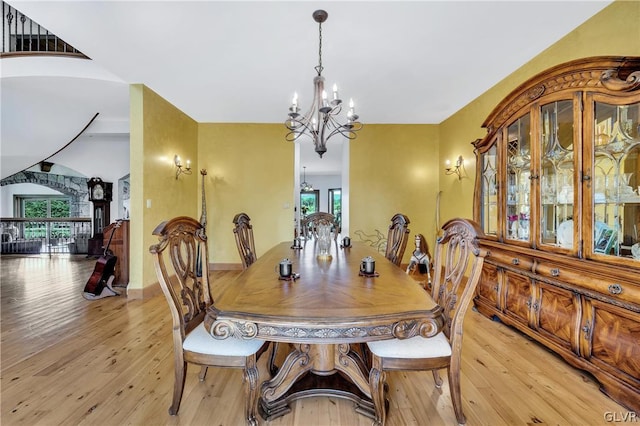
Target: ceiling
241	61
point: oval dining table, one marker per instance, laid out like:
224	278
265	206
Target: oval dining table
324	313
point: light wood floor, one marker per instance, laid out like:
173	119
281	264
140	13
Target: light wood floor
69	361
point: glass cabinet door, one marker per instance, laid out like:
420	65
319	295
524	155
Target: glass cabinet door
556	174
518	190
616	180
489	188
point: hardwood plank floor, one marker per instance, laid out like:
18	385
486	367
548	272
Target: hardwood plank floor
69	361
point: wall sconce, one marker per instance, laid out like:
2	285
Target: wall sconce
186	169
455	170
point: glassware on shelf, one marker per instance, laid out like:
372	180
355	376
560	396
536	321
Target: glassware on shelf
523	227
624	187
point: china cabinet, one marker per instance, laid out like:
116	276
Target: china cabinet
557	194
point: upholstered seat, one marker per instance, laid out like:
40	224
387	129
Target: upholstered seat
415	347
200	341
182	267
456	252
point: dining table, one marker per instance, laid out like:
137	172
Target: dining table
324	312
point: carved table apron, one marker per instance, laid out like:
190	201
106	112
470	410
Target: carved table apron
322	313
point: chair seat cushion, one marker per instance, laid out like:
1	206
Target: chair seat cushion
414	347
199	340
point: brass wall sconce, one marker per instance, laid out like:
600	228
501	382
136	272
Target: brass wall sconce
457	169
180	169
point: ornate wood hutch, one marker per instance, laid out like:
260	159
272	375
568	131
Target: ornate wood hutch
557	195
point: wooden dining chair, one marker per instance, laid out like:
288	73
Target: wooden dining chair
456	251
243	232
181	264
397	238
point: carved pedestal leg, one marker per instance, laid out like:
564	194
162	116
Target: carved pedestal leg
295	365
310	370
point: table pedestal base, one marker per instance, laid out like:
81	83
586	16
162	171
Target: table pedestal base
317	370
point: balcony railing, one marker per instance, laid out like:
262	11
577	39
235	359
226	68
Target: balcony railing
21	35
45	235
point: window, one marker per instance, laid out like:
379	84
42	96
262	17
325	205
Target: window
43	206
335	203
309	202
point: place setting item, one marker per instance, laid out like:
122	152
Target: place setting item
368	267
296	244
346	243
285	271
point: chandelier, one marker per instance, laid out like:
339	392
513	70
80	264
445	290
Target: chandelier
305	186
321	123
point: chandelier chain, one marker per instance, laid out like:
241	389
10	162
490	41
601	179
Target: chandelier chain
319	67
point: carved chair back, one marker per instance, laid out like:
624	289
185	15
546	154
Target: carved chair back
397	238
457	252
243	232
310	223
180	260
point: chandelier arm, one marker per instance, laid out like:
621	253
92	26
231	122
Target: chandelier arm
304	127
345	131
350	128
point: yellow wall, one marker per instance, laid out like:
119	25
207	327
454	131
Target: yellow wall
249	169
393	169
158	132
614	31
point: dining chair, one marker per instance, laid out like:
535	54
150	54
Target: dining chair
181	264
310	223
456	251
243	232
397	238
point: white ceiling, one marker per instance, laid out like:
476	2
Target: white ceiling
241	61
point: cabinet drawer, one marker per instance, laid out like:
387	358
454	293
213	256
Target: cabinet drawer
610	286
514	260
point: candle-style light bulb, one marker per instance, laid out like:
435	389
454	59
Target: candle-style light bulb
188	165
335	91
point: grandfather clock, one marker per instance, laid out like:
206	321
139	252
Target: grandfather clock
100	194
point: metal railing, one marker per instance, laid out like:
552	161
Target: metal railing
45	235
21	35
